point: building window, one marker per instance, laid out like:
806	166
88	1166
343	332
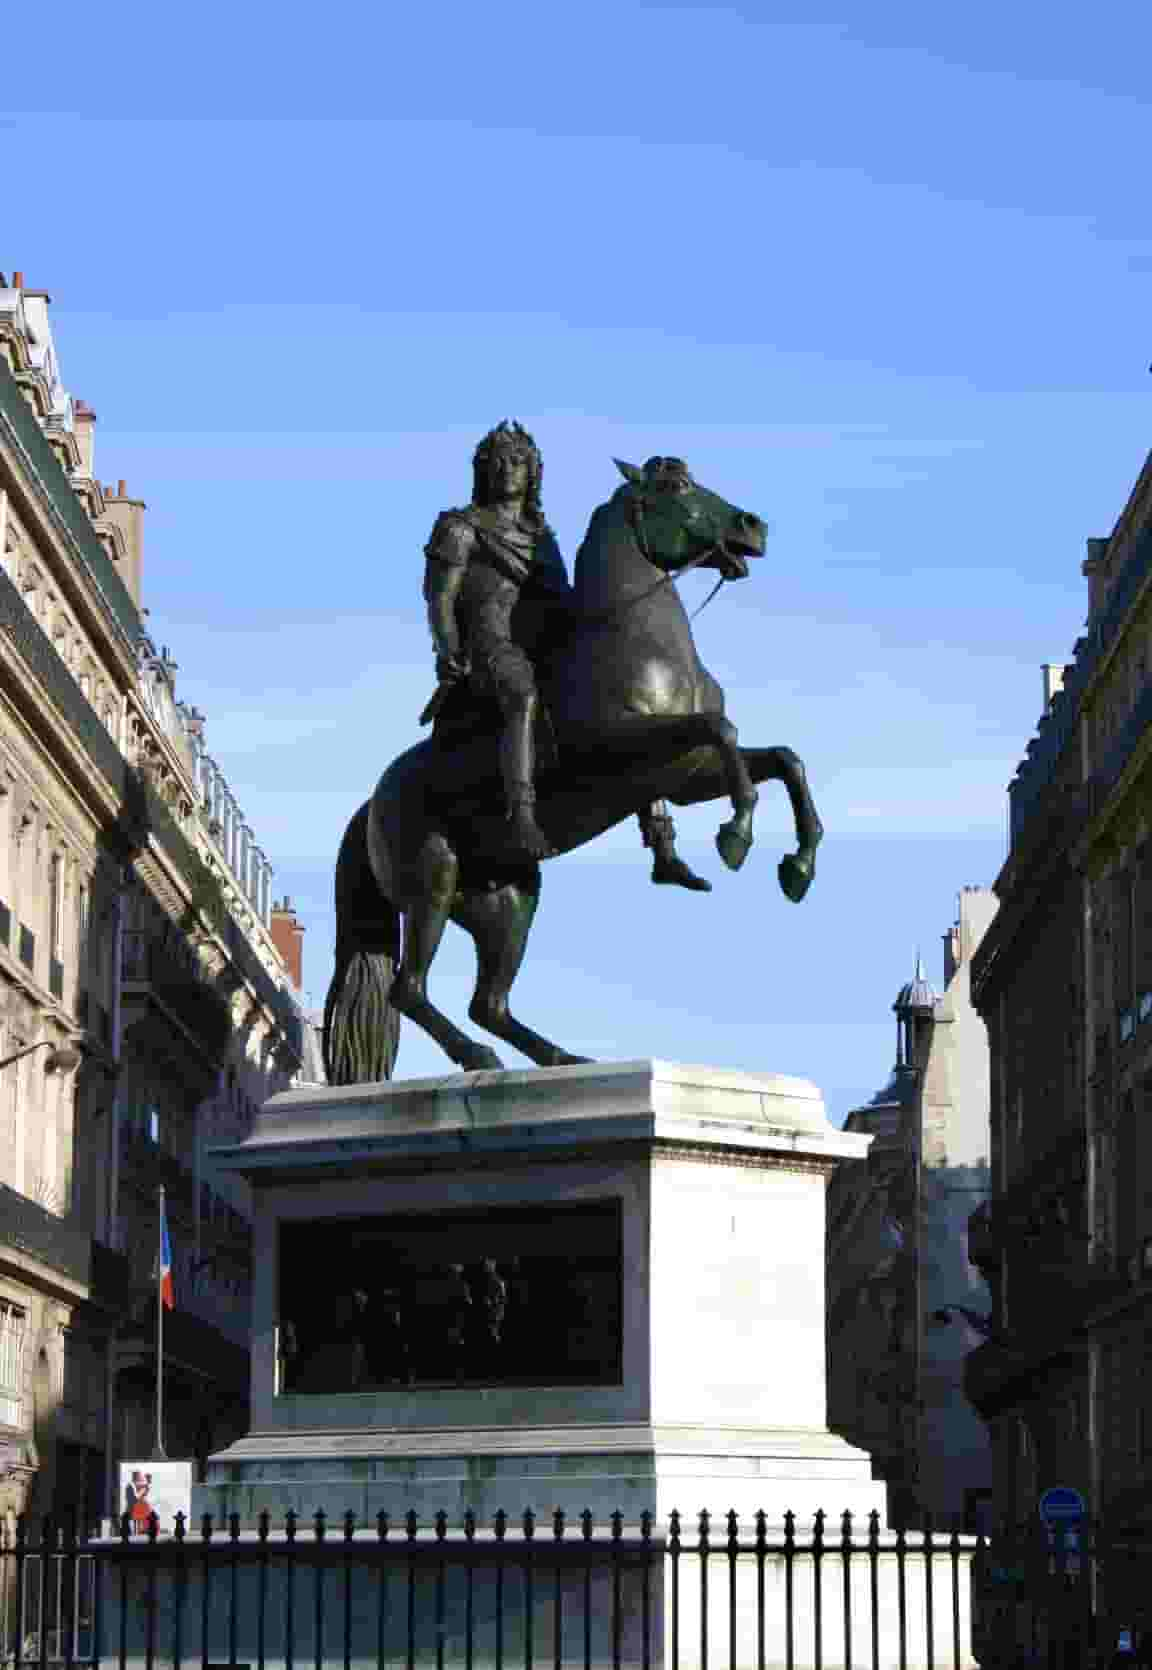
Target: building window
13	1333
55	912
82	900
54	869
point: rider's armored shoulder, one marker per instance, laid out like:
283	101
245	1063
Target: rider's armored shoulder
452	539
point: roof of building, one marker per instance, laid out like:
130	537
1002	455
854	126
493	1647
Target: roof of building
918	993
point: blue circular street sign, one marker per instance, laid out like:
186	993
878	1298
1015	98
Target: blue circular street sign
1061	1503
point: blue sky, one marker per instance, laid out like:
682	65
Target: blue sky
880	273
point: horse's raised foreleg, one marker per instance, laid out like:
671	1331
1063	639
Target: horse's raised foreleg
499	921
796	869
635	734
426	912
765	764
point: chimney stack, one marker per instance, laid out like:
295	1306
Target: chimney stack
17	281
288	938
84	426
128	515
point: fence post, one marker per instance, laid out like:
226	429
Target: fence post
674	1561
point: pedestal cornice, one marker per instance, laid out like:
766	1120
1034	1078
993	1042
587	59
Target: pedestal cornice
682	1112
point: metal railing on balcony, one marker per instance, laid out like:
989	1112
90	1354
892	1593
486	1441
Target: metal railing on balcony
30	1228
176	980
47	471
1058	727
53	677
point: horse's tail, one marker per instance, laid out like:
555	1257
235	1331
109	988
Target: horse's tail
361	1028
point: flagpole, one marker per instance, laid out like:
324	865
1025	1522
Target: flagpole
158	1454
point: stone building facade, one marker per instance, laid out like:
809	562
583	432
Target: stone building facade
135	918
897	1251
1064	982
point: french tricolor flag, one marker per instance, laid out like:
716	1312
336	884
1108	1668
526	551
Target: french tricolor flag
167	1290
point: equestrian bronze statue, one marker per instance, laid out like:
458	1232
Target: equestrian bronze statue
561	711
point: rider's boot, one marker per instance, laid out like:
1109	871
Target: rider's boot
527	836
518	768
659	832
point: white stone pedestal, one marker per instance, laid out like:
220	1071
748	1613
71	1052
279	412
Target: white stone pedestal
720	1178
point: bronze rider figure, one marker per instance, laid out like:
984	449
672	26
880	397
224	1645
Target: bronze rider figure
477	561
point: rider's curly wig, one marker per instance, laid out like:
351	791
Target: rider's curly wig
516	436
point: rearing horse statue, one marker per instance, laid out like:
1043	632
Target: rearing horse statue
636	718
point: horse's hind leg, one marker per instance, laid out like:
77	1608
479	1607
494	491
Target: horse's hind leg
499	921
425	915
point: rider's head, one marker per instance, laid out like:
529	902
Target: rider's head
507	439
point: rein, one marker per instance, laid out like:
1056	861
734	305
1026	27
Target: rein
603	617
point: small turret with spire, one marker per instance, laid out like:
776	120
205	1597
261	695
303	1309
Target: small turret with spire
913	1008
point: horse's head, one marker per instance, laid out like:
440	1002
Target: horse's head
677	521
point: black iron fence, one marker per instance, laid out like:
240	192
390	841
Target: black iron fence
485	1596
1063	1596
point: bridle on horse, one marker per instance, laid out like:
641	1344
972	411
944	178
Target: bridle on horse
603	617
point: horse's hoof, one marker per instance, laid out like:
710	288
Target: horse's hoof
733	842
478	1058
795	876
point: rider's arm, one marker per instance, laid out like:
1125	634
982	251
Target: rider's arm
447	553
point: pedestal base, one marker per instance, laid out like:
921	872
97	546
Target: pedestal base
660	1233
631	1470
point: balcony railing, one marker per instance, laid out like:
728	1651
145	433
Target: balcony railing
31	1229
18	418
177	983
1058	727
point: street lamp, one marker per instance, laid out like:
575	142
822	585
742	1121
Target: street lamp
62	1058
